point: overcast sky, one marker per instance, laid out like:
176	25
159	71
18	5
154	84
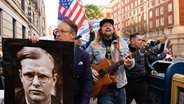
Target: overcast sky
96	2
51	7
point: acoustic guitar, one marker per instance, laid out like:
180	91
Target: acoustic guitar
106	70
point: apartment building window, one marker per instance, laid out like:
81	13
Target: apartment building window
14	27
125	9
119	12
156	2
115	15
169	7
132	13
150	14
23	32
157	22
37	24
144	8
161	10
128	7
30	13
118	6
0	22
162	21
122	11
136	12
23	5
150	4
144	16
136	3
139	18
132	5
139	2
139	9
122	3
157	12
151	24
33	18
170	21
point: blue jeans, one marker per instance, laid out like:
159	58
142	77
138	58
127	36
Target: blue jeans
113	96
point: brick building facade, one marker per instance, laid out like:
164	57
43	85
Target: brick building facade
152	18
20	18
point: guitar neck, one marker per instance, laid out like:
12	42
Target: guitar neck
141	51
120	62
114	66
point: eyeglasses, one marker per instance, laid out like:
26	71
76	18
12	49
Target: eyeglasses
143	40
59	31
42	78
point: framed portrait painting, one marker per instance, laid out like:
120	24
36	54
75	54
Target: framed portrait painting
39	72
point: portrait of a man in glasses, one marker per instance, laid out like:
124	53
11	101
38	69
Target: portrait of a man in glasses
37	75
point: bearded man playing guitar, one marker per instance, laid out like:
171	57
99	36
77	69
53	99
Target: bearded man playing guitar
108	72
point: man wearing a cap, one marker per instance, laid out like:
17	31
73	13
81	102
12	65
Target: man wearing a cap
78	41
109	45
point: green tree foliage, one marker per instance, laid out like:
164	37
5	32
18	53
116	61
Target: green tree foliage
93	12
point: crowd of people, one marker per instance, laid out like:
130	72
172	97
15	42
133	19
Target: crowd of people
127	77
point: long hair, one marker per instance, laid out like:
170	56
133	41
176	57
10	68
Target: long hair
99	35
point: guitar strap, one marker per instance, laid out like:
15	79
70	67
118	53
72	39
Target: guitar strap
116	52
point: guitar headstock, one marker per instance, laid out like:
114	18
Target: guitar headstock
150	47
153	43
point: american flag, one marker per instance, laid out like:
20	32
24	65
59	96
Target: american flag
71	9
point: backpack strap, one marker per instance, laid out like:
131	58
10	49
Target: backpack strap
116	52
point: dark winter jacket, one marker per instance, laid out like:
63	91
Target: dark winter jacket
141	67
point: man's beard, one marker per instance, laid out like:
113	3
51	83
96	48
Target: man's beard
108	35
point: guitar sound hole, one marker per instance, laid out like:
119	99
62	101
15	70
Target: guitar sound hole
101	73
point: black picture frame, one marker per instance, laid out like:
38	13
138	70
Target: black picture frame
63	52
